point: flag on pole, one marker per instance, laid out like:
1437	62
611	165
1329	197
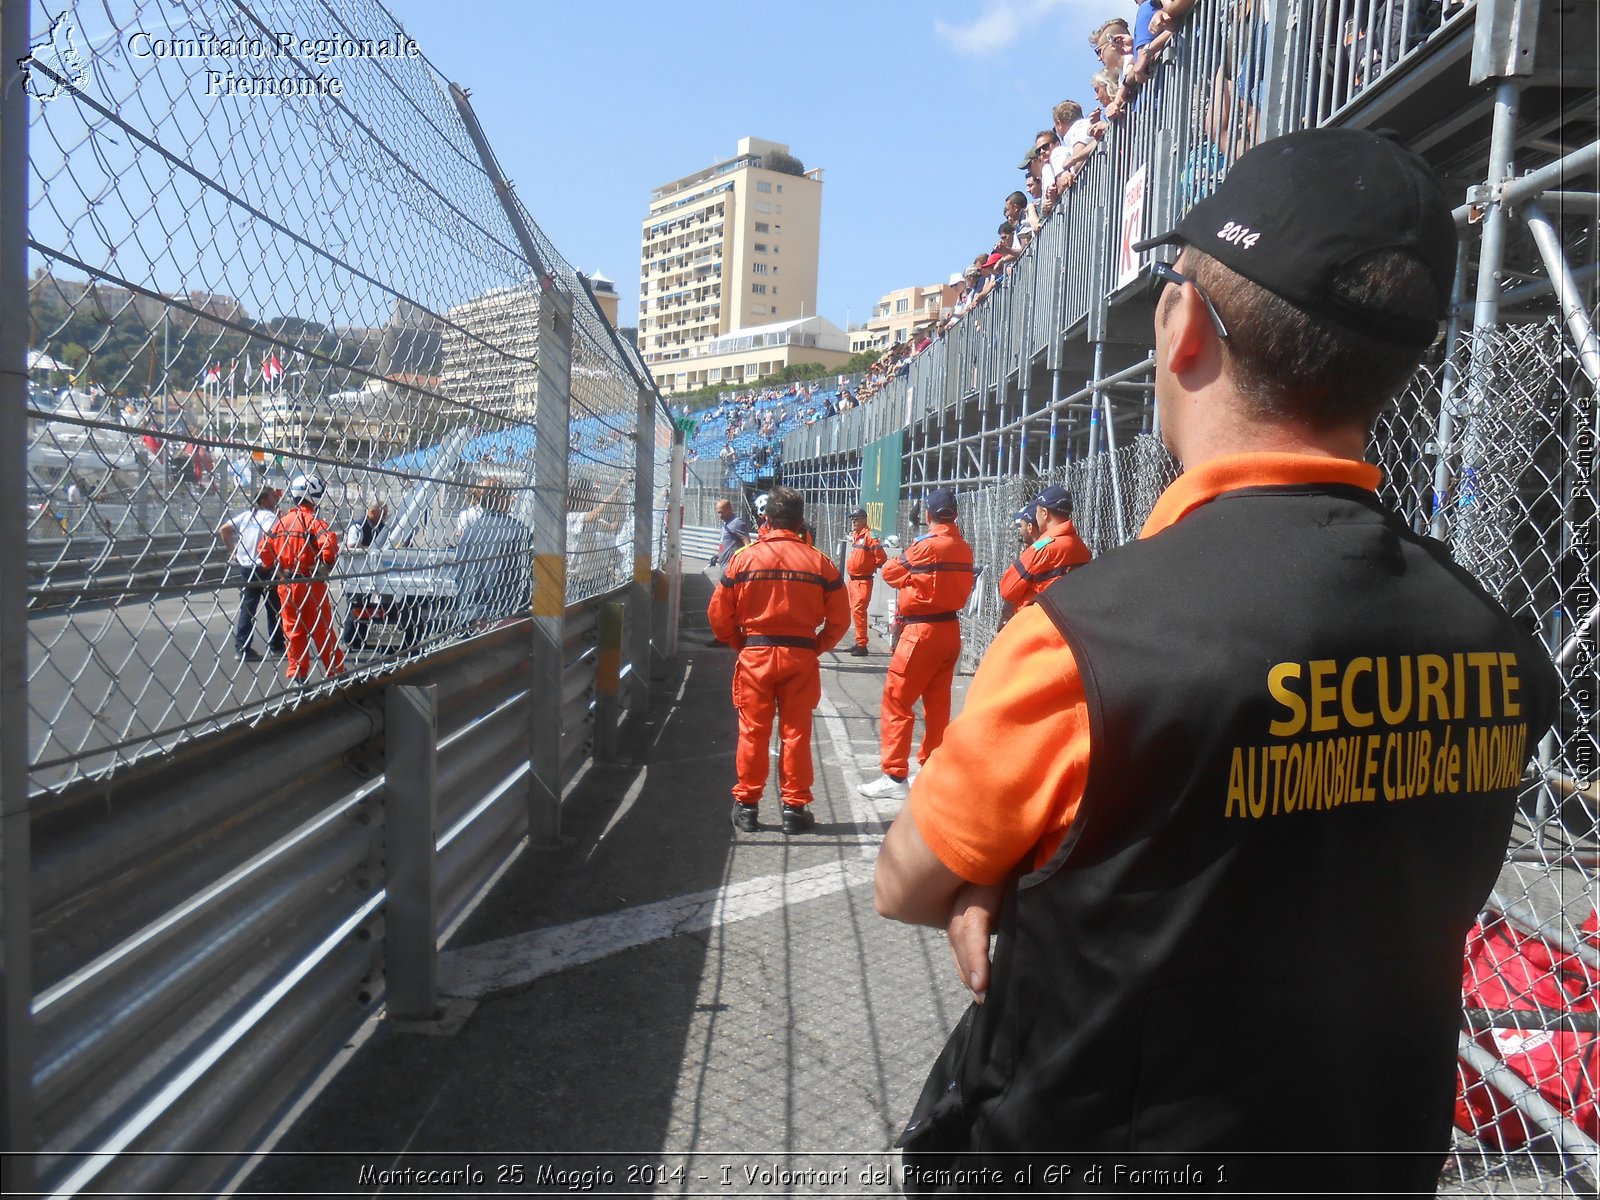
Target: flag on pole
271	368
214	373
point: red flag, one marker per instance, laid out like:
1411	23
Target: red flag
271	368
214	373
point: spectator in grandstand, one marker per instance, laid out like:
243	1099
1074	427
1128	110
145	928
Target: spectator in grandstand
1023	216
494	563
728	456
1116	759
240	535
1113	46
781	604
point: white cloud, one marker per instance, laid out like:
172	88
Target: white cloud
996	27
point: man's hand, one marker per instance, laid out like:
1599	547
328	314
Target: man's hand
972	921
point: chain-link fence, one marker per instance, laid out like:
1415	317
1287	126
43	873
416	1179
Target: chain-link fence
268	261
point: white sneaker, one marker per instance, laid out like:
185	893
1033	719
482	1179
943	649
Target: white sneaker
884	788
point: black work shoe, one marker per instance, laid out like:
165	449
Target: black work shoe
858	651
797	819
249	655
744	818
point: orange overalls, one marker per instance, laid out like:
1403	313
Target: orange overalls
1041	564
934	577
861	564
299	543
772	596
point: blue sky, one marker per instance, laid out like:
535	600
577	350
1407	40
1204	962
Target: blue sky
918	114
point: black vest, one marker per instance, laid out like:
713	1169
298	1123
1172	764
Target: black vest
1308	732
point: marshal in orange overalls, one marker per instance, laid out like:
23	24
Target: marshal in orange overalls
773	595
298	545
861	565
934	578
1041	563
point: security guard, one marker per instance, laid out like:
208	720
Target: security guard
1233	793
861	565
1057	550
769	604
934	577
300	551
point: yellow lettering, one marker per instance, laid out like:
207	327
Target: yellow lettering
1394	714
1509	685
1486	662
1236	784
1293	777
1368	792
1353	715
1458	675
1277	754
1323	693
1277	684
1431	674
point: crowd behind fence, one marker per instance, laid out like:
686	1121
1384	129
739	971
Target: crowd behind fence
227	295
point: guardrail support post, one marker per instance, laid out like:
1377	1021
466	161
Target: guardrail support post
16	895
608	683
640	595
411	732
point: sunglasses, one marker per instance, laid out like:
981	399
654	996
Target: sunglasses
1162	274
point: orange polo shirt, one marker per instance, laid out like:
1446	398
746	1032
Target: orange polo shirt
1006	783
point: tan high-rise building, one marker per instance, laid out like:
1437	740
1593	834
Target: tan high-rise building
728	247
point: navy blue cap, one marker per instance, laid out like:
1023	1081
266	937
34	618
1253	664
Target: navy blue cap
1026	513
941	502
858	514
1055	500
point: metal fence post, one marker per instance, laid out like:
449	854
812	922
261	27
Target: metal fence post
16	907
608	683
550	564
672	561
411	733
551	415
640	595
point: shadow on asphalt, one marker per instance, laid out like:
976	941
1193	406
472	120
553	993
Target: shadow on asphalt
585	1059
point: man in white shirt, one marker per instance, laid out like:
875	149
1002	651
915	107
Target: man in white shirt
239	534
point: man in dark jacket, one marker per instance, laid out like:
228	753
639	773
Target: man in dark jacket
1232	794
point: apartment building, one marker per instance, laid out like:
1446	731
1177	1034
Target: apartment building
898	314
731	246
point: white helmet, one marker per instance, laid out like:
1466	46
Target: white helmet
306	487
761	505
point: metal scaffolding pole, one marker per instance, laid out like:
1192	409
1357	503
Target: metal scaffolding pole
1548	239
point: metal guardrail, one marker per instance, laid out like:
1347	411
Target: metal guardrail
213	924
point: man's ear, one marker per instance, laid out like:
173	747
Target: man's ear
1188	328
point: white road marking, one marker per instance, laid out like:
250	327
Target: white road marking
865	812
477	971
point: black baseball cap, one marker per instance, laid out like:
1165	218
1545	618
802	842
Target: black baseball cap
858	514
941	502
1055	500
1295	210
